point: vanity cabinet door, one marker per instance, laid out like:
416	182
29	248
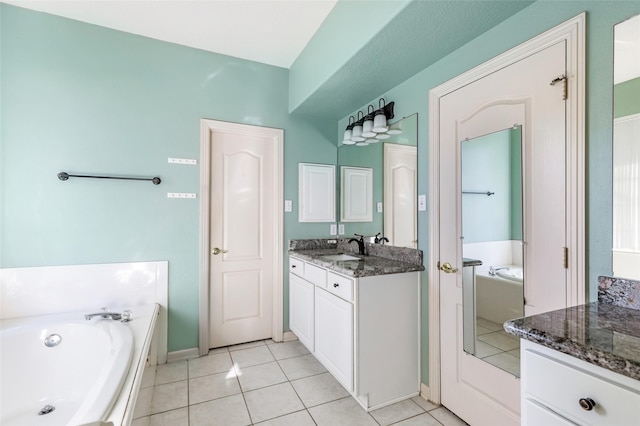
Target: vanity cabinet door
334	336
316	193
301	310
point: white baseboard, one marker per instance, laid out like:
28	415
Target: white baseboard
425	392
182	355
289	336
192	353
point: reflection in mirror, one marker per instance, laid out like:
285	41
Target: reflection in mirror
492	278
394	164
626	150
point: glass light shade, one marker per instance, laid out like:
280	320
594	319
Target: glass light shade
347	135
356	136
380	122
395	129
367	129
382	136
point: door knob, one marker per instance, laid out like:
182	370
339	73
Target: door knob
216	250
447	268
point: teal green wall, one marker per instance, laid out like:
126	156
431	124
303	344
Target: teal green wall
82	98
626	96
350	25
486	166
412	96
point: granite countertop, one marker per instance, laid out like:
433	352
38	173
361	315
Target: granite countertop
604	333
365	266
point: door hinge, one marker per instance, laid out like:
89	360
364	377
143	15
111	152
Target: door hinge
565	86
566	257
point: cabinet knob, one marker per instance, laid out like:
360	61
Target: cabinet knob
293	266
336	285
587	404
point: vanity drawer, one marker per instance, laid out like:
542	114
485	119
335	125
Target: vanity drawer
315	275
340	286
560	386
296	266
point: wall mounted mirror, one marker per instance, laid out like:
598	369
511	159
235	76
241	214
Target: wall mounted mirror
626	150
394	164
492	227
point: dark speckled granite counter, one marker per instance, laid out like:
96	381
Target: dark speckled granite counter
605	333
386	259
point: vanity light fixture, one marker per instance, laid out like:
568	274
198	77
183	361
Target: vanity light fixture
371	128
367	126
348	132
380	118
356	136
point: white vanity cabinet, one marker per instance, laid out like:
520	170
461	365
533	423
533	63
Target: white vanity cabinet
558	389
334	336
366	331
302	280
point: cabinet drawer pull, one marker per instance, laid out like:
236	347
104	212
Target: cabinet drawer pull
336	285
293	266
587	404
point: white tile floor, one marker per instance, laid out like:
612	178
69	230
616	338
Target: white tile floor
497	347
264	383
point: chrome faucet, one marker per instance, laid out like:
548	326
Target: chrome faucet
492	270
360	242
124	317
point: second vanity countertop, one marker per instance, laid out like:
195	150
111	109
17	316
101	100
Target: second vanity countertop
599	333
365	266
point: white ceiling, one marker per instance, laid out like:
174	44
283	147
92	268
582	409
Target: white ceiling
269	31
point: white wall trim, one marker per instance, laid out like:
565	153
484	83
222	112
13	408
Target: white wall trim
572	31
277	136
183	355
425	392
289	336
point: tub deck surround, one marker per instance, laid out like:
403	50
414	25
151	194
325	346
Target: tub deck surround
471	262
382	260
107	396
604	333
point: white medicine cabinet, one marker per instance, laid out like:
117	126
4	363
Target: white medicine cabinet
356	203
316	192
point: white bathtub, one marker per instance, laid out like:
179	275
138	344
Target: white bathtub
500	299
88	377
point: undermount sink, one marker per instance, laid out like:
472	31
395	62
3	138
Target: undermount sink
339	257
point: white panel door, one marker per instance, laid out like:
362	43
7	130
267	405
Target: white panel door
243	181
477	391
400	193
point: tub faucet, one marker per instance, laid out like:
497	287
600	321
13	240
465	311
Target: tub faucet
104	314
492	270
360	242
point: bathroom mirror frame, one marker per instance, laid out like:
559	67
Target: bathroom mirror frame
493	282
626	149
